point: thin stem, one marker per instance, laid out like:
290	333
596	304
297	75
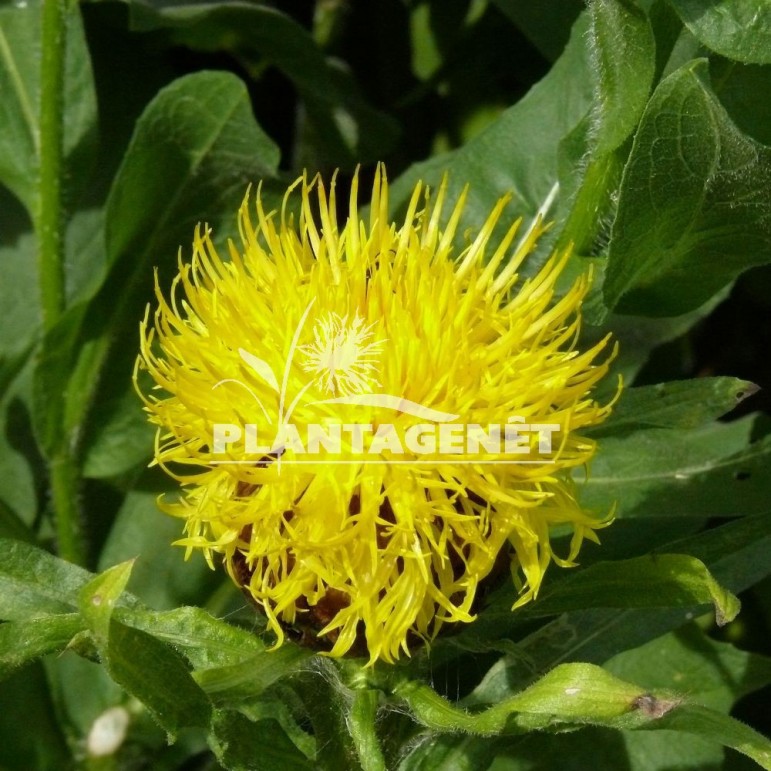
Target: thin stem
49	225
64	476
49	222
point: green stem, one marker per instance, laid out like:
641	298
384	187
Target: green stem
65	480
49	225
361	724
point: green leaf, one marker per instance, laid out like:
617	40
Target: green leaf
713	470
518	153
25	703
161	577
122	438
249	678
624	53
738	29
19	301
736	554
570	694
25	641
98	598
13	527
195	150
20	105
715	727
737	87
652	581
337	126
205	641
714	674
546	26
138	662
241	745
684	404
580	694
34	583
692	210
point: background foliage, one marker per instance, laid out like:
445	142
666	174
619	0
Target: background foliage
652	117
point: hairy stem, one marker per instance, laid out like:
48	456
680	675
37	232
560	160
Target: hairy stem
49	225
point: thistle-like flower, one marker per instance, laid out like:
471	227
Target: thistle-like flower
371	421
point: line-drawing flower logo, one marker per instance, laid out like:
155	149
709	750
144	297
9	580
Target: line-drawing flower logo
343	357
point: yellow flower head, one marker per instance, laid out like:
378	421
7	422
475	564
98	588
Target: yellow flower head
371	422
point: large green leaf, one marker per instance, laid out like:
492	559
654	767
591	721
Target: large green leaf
713	470
241	745
339	127
25	641
625	56
739	29
161	577
518	153
736	554
681	404
194	151
715	674
34	583
580	694
546	25
692	209
656	580
142	665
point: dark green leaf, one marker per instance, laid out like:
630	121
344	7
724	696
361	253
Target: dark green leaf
714	470
714	674
25	641
342	129
25	704
692	210
241	745
518	153
19	302
34	583
652	581
737	86
682	404
716	727
738	29
13	527
547	25
249	678
625	57
142	665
